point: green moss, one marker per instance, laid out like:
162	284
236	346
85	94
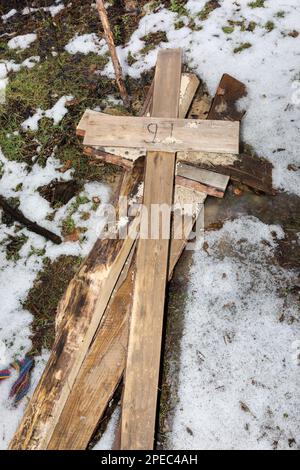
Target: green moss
208	8
242	47
130	58
152	40
12	145
280	14
44	296
1	169
228	29
79	201
178	7
14	245
251	26
269	26
257	4
179	24
65	74
68	225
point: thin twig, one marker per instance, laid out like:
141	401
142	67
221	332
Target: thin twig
112	48
17	215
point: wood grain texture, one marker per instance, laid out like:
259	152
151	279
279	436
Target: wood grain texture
224	105
103	367
162	134
79	314
209	182
144	347
188	183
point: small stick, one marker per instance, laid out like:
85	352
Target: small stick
17	215
112	48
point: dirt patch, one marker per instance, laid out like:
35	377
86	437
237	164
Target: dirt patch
43	299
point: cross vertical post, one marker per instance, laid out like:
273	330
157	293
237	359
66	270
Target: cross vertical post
145	337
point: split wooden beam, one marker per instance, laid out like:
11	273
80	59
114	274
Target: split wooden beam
82	307
146	324
103	367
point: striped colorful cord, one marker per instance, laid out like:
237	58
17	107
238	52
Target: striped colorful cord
22	384
4	374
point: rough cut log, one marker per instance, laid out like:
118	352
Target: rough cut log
146	323
79	313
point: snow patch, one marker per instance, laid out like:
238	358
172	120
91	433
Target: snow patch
85	44
22	41
107	440
8	15
238	383
57	112
53	9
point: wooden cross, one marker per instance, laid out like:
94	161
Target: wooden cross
88	358
162	135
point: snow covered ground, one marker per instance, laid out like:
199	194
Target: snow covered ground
239	375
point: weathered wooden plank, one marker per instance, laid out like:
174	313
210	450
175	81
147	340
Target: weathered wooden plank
228	93
144	347
79	314
197	186
162	134
104	364
188	87
209	182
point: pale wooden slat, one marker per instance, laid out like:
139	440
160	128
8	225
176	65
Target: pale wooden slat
205	177
144	347
188	88
162	134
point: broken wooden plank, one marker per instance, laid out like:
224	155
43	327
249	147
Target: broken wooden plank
251	170
143	359
104	364
103	367
162	134
79	314
228	93
209	182
108	158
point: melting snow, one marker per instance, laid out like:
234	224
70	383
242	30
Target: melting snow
85	44
56	113
14	320
9	15
238	383
22	42
53	9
